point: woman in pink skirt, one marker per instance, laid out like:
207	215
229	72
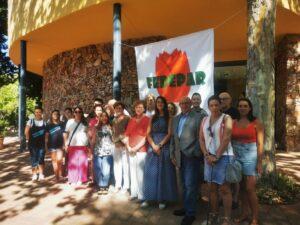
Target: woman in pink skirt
76	142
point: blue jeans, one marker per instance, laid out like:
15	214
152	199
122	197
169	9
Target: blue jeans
102	170
37	156
190	173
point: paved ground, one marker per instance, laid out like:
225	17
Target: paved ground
23	202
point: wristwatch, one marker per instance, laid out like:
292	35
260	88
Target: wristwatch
160	145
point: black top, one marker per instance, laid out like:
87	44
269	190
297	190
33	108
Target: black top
55	131
36	136
233	112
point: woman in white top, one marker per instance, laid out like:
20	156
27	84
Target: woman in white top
76	142
215	135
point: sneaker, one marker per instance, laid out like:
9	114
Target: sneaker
34	177
41	177
144	204
162	205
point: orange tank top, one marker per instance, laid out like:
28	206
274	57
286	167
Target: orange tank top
244	135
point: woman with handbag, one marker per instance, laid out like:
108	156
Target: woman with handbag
215	135
247	142
76	142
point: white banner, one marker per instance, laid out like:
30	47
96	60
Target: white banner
177	67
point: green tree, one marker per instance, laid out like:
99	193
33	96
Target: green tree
7	69
9	105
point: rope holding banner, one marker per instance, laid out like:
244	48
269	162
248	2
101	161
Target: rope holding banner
229	18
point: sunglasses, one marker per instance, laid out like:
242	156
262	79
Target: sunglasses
77	112
211	134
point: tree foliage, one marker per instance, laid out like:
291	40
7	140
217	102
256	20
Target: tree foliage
7	69
9	105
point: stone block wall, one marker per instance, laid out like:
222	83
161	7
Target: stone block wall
78	76
287	90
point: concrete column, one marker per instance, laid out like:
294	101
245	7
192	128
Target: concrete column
22	97
117	51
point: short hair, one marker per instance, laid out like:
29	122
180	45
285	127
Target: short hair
119	103
69	109
38	108
196	94
213	97
139	102
99	100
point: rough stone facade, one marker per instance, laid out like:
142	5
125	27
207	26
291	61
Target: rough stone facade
78	76
287	91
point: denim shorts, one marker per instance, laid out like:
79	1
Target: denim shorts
54	149
246	154
37	156
216	173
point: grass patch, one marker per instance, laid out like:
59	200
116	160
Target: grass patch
279	189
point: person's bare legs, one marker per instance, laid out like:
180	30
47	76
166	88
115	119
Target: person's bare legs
235	192
59	160
41	169
252	198
226	195
213	192
54	164
244	200
34	171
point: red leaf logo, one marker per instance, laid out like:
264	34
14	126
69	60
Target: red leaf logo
167	65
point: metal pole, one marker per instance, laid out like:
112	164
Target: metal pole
22	97
117	51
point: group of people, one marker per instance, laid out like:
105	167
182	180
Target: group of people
140	154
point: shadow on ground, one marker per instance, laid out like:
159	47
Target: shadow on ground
29	203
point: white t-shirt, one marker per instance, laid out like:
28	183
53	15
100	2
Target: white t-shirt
213	135
38	123
80	137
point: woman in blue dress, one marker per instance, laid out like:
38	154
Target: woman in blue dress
160	175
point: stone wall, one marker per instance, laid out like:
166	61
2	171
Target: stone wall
78	76
287	91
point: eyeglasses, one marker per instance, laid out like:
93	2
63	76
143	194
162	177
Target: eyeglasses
211	134
77	112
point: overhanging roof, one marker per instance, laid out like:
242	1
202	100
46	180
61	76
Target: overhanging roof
54	26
